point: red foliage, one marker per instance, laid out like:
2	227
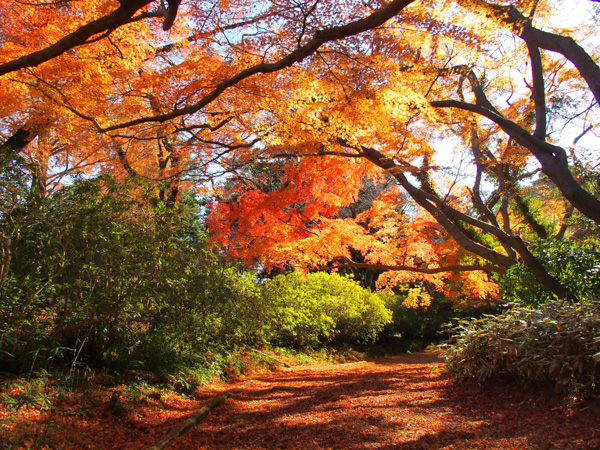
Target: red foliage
400	402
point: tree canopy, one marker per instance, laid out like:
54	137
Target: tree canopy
417	138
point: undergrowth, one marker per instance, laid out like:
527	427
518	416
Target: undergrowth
556	344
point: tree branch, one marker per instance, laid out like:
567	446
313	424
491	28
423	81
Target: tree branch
377	18
122	15
539	91
443	212
430	271
511	17
552	158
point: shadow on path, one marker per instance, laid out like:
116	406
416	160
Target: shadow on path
399	402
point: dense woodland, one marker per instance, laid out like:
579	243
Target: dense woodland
185	181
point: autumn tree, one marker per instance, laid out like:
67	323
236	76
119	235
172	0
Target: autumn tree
391	84
327	120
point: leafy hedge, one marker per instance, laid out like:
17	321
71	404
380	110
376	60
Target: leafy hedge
556	344
104	274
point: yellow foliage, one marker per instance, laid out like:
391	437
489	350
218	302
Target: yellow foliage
417	297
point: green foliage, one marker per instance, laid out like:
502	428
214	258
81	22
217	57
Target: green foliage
418	315
575	264
556	344
37	394
104	272
312	310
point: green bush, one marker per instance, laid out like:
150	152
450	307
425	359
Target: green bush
575	264
309	311
419	320
103	272
556	344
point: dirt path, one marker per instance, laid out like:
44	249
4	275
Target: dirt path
404	402
400	402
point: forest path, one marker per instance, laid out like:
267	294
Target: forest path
400	402
396	402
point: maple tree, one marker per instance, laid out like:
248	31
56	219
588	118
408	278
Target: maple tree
102	86
327	120
438	144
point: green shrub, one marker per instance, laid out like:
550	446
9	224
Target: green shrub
556	344
104	271
422	319
575	264
312	310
